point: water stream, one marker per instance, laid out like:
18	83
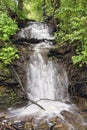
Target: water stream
47	82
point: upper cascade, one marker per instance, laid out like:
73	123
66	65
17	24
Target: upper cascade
35	30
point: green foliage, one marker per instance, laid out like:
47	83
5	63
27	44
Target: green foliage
81	56
12	96
73	27
8	4
49	8
35	9
14	6
8	54
8	26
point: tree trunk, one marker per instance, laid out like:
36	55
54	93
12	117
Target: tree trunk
56	5
20	5
44	8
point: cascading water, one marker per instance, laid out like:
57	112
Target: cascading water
43	82
47	82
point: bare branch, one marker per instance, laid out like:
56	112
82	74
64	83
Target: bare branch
19	80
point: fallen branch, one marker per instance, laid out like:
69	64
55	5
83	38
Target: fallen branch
19	81
18	78
35	102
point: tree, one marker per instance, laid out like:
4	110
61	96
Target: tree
20	5
15	8
8	27
73	29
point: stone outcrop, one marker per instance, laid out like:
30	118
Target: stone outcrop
51	124
77	75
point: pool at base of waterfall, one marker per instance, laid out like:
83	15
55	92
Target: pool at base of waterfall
65	113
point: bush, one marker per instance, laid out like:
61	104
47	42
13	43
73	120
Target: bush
73	27
8	26
8	54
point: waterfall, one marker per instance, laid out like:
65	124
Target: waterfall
43	79
47	82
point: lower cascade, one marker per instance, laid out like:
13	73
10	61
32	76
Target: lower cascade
47	85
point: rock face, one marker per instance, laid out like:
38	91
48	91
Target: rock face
77	75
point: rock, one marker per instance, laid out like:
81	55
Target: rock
54	120
2	116
10	123
28	126
71	117
43	125
18	125
59	127
76	75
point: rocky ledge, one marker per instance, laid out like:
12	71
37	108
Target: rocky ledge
42	124
77	75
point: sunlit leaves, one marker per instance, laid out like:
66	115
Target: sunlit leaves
8	26
35	10
8	54
73	27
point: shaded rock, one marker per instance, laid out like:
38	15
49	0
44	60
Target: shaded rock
30	40
76	75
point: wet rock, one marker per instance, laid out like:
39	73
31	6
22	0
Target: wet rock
26	41
60	127
59	52
43	125
28	126
2	116
74	120
57	125
10	123
72	117
18	125
54	121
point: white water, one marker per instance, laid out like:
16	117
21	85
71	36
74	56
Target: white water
43	80
47	83
36	31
